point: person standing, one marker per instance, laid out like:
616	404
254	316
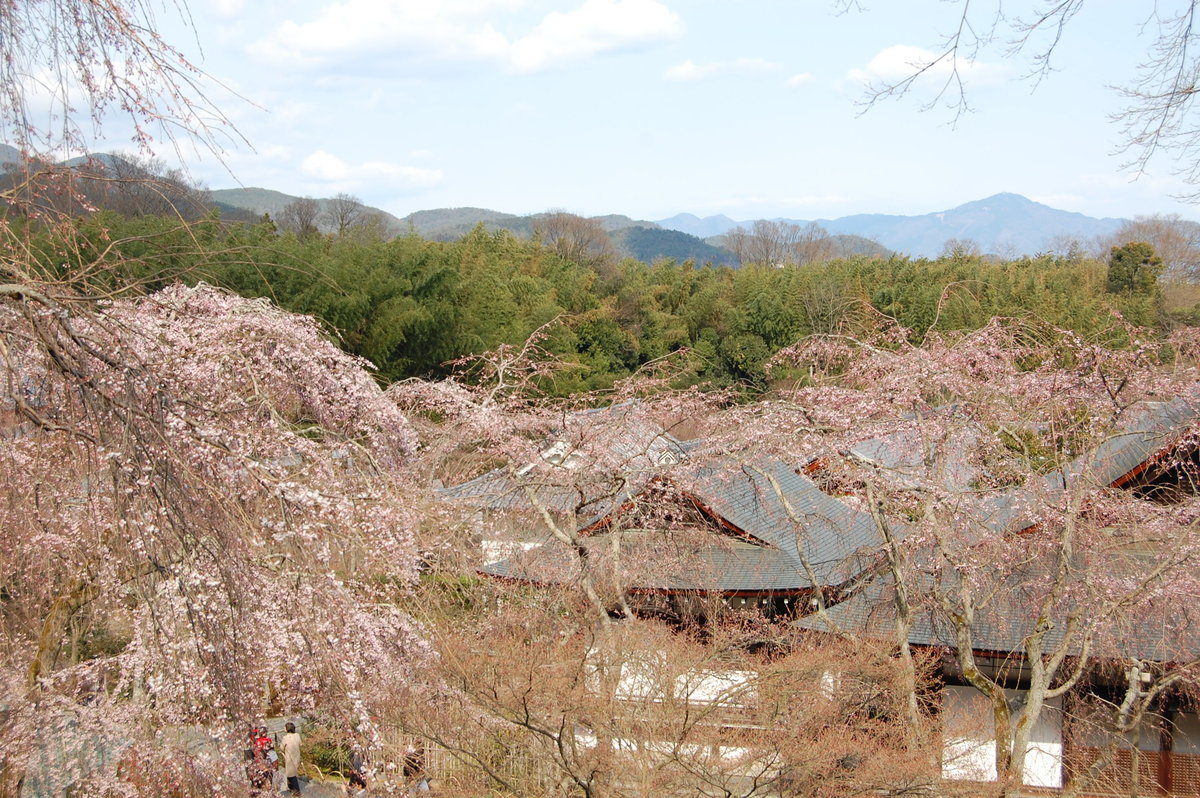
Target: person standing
358	768
291	758
260	760
414	769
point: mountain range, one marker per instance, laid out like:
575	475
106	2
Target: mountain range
1004	224
642	240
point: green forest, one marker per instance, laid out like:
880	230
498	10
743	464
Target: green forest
413	306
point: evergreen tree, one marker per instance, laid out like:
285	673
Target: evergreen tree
1133	269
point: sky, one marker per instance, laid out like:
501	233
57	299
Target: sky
649	108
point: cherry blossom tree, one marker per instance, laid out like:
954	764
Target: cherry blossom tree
204	501
205	521
1035	495
67	67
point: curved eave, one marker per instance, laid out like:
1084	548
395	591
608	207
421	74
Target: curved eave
797	592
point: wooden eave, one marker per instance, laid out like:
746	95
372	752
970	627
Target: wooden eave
1149	462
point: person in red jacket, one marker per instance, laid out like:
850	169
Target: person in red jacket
260	759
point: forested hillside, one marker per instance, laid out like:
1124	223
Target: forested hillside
411	305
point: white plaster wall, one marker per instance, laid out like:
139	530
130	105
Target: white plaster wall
1044	756
969	747
496	550
728	687
969	743
640	679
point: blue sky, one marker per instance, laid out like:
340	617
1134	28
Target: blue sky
751	108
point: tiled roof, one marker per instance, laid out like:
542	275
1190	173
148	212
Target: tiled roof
559	479
828	534
912	456
999	627
819	529
1002	623
499	490
802	529
1005	619
724	567
1156	428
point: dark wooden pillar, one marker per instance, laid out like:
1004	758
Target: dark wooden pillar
1166	742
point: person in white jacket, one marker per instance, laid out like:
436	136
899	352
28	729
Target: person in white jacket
291	758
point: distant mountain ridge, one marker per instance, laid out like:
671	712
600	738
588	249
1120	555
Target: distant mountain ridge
1005	224
268	201
707	227
9	155
634	238
451	224
648	243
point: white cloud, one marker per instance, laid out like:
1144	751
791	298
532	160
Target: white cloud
900	61
595	27
690	70
324	166
228	8
464	31
274	152
451	29
293	112
329	168
800	79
